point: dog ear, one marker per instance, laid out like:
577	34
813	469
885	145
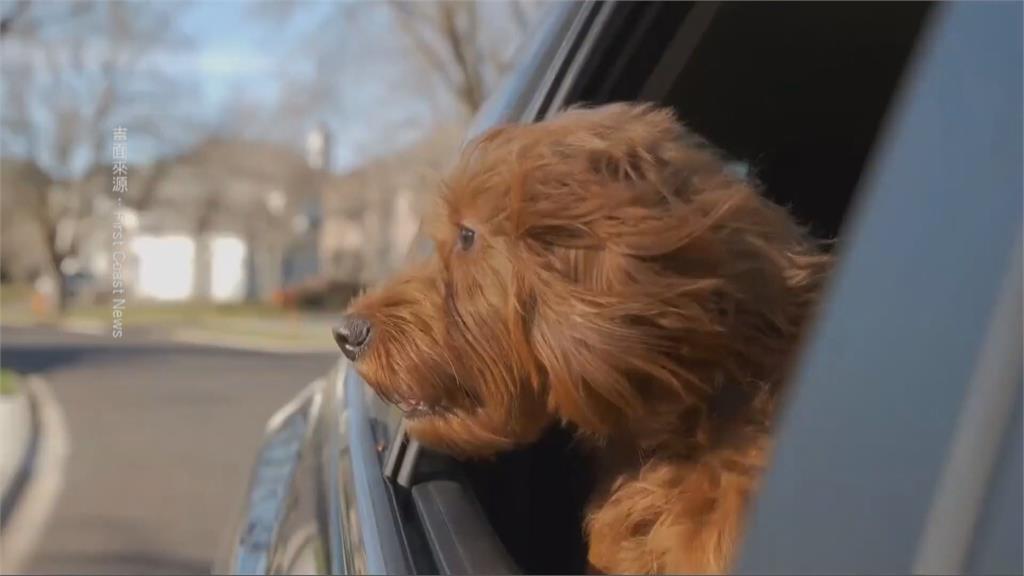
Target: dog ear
638	143
600	362
582	368
598	177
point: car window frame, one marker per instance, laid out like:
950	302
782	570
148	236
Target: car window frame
560	79
588	30
911	491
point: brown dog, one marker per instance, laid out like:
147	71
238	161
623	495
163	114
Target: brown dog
603	270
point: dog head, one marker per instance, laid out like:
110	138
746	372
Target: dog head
602	268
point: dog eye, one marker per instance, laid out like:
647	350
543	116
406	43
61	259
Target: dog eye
466	237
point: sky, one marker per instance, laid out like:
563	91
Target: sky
236	49
241	47
261	70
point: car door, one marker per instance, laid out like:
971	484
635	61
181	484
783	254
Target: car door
901	447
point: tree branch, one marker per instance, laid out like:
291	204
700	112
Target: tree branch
11	18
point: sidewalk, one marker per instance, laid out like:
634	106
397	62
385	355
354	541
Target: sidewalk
34	446
17	439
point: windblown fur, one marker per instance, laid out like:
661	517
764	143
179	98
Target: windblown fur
602	270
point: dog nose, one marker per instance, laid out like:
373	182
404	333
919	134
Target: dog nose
352	334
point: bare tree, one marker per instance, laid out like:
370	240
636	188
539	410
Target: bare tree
73	72
12	16
420	60
399	74
450	38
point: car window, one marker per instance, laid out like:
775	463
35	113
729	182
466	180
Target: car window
769	123
801	97
794	92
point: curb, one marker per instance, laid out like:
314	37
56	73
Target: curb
41	480
13	490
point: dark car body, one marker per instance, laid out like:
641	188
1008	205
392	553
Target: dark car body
895	128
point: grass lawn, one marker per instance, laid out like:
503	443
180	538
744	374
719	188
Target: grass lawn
14	302
9	382
178	314
258	323
14	294
241	323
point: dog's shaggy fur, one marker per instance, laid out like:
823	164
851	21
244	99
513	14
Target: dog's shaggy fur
604	271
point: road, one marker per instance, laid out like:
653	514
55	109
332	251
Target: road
161	440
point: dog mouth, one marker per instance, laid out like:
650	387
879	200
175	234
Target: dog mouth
414	408
420	403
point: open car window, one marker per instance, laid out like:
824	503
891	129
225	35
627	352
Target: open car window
797	94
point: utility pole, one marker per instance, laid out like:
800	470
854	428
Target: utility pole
308	220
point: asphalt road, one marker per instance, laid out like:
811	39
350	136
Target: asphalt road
162	437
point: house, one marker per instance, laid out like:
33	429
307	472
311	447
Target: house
242	215
227	220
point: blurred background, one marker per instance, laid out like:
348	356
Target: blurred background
277	153
189	191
